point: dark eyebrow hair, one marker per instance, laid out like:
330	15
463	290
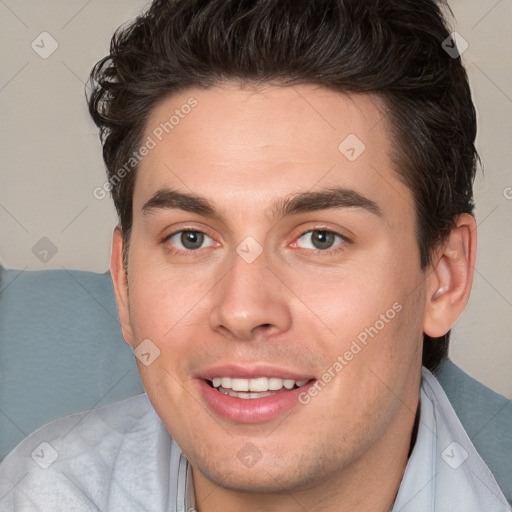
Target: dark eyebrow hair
304	202
335	197
169	198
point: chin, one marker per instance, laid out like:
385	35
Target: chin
254	480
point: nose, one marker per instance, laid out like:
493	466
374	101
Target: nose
250	299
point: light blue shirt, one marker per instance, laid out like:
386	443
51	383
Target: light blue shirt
121	458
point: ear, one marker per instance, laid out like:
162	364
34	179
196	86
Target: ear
119	280
450	279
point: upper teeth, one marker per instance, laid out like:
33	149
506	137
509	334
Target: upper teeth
257	384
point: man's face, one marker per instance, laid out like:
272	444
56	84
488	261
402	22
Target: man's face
269	285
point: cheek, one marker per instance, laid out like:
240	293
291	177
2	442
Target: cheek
162	298
366	315
350	298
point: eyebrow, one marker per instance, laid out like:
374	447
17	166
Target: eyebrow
326	199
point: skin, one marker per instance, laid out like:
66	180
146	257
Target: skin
242	149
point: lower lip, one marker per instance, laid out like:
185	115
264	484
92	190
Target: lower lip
251	410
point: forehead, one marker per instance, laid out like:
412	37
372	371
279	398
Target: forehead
256	144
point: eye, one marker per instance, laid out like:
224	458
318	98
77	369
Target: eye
319	239
188	240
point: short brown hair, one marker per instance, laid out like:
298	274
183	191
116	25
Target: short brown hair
392	48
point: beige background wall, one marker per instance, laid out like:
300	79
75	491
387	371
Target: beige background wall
51	158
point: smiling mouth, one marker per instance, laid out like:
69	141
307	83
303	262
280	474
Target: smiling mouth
259	387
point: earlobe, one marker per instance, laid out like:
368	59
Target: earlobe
119	281
450	279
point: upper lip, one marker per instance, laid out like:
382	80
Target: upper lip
251	372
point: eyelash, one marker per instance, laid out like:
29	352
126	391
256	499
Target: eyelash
314	252
319	252
180	252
